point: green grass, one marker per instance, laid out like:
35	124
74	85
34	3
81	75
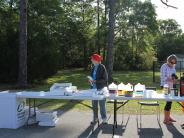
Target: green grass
78	77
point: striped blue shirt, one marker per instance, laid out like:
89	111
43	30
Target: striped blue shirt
165	73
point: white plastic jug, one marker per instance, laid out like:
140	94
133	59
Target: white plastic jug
139	87
121	89
166	89
129	87
121	86
129	90
113	88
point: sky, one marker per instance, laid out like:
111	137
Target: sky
164	12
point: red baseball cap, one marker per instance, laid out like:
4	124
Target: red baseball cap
96	57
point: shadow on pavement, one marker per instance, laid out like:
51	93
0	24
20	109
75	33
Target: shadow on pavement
23	132
103	128
147	132
92	131
174	131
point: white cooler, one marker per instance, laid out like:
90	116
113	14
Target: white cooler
12	111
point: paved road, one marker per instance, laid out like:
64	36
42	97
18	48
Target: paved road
73	124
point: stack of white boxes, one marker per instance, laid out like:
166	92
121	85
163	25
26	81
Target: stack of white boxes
47	118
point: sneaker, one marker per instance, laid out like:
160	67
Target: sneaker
104	121
94	121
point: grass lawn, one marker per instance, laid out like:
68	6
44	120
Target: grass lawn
78	77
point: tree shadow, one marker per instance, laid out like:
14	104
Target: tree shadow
69	105
92	131
23	131
90	107
102	128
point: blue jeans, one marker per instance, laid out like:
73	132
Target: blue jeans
102	109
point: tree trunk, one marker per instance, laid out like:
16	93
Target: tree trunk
109	60
98	29
83	39
105	25
22	76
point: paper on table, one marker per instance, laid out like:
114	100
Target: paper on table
88	92
90	78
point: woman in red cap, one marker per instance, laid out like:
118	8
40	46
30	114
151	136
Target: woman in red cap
99	81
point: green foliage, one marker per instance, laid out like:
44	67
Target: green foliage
137	27
43	44
56	38
169	39
8	43
63	34
169	27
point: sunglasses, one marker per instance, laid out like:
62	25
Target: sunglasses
173	63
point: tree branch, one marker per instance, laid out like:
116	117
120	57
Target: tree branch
165	3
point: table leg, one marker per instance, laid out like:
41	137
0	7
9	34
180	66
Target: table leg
115	116
34	107
29	114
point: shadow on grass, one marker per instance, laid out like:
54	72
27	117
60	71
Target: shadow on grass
67	105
